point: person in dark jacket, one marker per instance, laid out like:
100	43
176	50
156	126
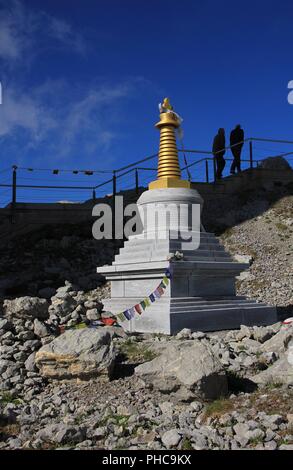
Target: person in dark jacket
219	145
236	144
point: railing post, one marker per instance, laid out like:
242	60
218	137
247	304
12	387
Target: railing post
114	183
114	205
136	180
207	171
250	154
94	194
14	184
215	169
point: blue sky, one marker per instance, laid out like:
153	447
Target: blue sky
81	80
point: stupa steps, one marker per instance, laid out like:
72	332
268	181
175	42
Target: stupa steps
207	307
126	260
166	252
173	246
151	256
201	299
211	298
201	251
211	306
204	238
203	307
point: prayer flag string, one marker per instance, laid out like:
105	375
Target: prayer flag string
139	308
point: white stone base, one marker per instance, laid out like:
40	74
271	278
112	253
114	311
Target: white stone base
169	316
201	293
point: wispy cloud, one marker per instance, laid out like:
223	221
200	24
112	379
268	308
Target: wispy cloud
24	30
57	118
21	112
84	119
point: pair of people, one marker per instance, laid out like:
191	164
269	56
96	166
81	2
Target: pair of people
219	149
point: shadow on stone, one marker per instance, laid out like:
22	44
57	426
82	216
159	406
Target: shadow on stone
238	384
123	368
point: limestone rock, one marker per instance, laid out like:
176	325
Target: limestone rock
93	314
171	438
243	258
26	307
280	372
30	363
188	365
279	341
40	329
184	334
5	324
79	354
61	433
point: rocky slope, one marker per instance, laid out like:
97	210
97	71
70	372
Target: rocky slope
131	411
48	282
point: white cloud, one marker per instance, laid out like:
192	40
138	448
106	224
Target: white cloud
85	121
57	116
20	111
24	32
64	33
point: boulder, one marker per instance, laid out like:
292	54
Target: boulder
262	333
282	370
243	258
5	324
279	341
186	365
26	307
61	433
93	314
184	334
80	354
171	438
275	163
30	362
40	329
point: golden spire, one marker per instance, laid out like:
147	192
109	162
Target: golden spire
169	174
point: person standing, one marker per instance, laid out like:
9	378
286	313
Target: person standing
236	144
219	145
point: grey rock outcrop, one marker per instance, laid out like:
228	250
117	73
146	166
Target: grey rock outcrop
82	354
26	307
275	163
186	365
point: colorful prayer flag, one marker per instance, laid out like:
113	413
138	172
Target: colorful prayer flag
166	280
161	290
168	273
127	314
152	298
138	309
143	305
147	301
121	316
157	293
133	311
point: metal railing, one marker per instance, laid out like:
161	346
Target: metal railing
131	173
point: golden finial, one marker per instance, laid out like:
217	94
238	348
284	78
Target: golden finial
169	174
167	104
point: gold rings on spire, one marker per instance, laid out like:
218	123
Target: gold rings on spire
169	174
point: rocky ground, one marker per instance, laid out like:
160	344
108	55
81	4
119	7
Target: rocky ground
267	240
152	403
102	388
